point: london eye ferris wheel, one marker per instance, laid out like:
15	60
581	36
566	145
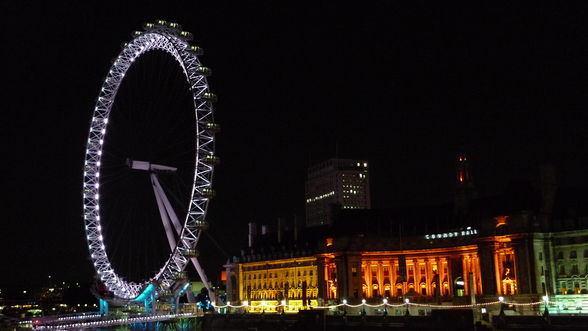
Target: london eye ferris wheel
134	163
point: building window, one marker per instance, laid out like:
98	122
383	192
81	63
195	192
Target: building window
354	272
559	255
562	270
540	256
575	269
572	254
586	253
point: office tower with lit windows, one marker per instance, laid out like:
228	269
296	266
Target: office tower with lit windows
336	184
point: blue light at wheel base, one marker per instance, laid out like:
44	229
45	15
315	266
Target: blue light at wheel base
146	293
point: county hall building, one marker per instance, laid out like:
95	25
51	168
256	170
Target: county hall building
530	241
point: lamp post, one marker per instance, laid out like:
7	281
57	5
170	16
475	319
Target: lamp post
385	302
546	302
406	302
501	299
362	307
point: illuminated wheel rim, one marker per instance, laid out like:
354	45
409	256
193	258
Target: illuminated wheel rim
165	37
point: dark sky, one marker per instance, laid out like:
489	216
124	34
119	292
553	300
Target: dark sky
405	87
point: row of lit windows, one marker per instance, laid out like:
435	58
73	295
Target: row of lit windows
275	294
573	271
352	186
275	275
322	196
361	175
576	287
573	255
278	286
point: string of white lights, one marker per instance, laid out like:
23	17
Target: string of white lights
112	322
385	303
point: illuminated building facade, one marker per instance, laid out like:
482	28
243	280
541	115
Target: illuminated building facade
522	244
388	274
489	259
336	184
294	280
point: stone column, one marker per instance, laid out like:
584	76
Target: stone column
368	277
487	268
523	267
380	278
321	277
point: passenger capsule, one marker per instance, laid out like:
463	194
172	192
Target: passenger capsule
191	252
212	127
186	35
196	50
174	25
204	71
211	159
208	193
202	226
180	275
209	96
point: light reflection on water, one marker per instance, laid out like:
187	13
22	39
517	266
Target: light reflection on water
182	324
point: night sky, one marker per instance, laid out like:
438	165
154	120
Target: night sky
403	87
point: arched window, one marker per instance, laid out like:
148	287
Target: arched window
459	285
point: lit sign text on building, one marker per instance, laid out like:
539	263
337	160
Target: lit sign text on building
467	232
